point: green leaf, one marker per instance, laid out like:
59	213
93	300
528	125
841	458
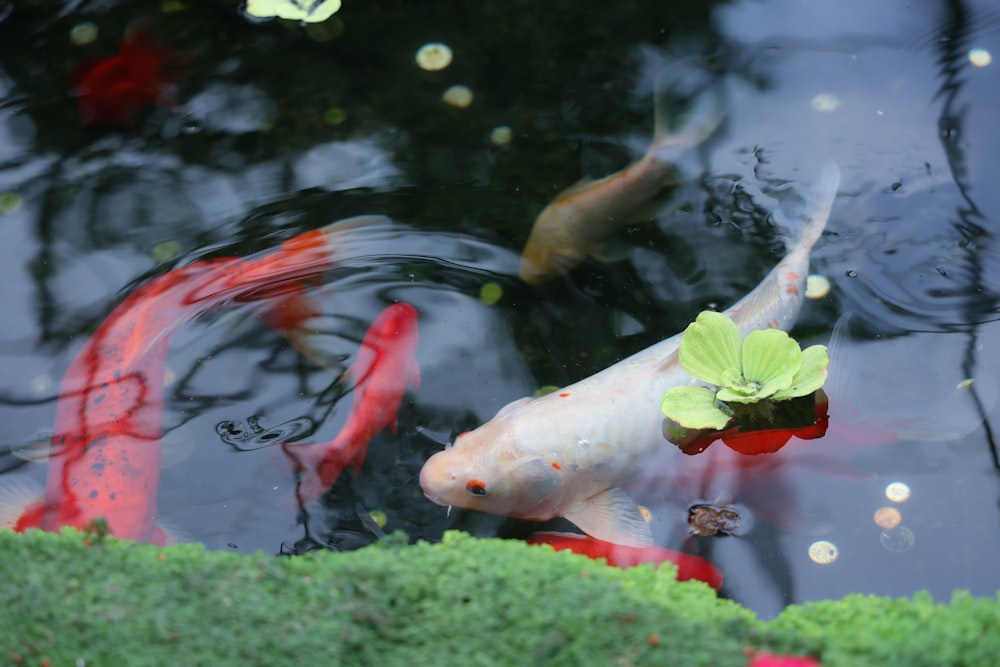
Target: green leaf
295	10
753	392
694	407
710	348
810	376
769	355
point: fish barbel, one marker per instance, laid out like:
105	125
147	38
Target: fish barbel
569	453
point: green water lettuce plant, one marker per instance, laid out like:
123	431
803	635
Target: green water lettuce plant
309	11
747	375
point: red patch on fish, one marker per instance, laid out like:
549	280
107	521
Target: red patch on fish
688	566
111	91
765	659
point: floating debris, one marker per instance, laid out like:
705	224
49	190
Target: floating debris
171	6
817	286
897	492
334	116
10	202
433	56
169	376
41	384
501	135
705	520
490	293
825	103
547	389
899	538
646	513
379	517
980	57
83	33
823	552
458	96
309	11
166	250
887	517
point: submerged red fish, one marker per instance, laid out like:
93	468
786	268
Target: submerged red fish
111	91
384	369
688	566
105	450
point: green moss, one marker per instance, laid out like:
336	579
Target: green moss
463	602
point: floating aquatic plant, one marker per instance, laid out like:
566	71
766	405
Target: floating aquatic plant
309	11
748	375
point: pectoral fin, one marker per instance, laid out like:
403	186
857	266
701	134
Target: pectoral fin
613	517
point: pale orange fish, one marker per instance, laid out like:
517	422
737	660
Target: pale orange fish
581	218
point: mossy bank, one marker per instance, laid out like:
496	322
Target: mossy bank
72	599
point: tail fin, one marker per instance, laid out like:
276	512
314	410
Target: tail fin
319	466
941	409
819	205
690	104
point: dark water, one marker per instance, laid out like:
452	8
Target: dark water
250	157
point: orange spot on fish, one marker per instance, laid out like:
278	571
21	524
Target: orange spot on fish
556	465
564	394
476	487
792	289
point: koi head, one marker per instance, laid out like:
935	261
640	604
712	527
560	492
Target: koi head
541	263
497	480
558	242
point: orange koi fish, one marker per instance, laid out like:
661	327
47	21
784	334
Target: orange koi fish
580	218
384	369
105	450
112	90
616	555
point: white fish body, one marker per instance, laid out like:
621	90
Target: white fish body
569	453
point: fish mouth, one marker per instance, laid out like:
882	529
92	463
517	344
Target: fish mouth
434	498
438	501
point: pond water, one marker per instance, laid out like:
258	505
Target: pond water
280	127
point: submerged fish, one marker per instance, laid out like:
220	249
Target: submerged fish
384	369
569	453
112	90
616	555
582	217
105	452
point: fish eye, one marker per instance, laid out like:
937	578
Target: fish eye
476	487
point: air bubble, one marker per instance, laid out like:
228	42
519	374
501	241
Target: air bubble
899	538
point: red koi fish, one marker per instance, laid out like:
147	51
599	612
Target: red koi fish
110	91
384	369
105	451
616	555
765	659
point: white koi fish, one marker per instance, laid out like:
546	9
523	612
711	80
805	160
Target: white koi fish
581	217
570	452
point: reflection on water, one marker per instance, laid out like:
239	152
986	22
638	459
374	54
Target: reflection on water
274	134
